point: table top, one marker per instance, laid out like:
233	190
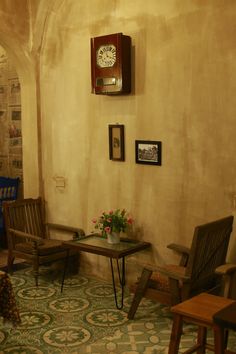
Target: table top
202	307
98	245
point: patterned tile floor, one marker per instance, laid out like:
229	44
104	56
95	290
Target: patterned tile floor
83	319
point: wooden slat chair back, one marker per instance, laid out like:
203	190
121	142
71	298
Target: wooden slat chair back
28	216
208	251
175	283
29	236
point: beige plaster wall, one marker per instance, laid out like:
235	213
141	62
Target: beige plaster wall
183	94
184	82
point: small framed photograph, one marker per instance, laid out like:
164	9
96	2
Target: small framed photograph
116	142
148	152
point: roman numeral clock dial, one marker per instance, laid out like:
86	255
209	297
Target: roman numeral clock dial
111	64
106	56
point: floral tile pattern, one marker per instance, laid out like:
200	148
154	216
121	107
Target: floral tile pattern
83	319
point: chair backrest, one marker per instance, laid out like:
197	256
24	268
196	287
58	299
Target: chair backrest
208	251
26	215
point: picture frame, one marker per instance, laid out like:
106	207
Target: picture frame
116	142
148	152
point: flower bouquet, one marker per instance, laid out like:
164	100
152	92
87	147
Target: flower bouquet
112	222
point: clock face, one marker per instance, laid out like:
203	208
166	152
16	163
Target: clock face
106	56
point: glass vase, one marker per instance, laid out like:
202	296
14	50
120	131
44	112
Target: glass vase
113	238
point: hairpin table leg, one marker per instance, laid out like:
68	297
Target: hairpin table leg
65	268
121	275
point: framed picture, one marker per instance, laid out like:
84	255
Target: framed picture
116	142
148	152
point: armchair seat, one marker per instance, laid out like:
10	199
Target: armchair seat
46	248
161	282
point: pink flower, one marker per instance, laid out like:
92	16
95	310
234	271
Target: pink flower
130	221
94	220
109	220
111	212
107	229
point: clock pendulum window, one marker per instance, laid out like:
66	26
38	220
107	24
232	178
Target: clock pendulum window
111	64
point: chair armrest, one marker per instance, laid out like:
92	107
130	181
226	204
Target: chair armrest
179	248
184	251
226	269
228	273
78	233
25	235
166	272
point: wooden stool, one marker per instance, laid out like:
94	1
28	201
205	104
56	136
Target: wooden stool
199	310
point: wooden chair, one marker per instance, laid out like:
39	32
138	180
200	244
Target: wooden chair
8	191
196	272
29	236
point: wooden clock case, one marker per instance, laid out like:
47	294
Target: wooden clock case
115	79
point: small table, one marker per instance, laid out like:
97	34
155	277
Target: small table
98	245
199	310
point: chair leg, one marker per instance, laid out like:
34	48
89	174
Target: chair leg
10	261
226	336
36	271
220	339
201	340
177	329
140	291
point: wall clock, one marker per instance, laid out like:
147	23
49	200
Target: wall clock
111	64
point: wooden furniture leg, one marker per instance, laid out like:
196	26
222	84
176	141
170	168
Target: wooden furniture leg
219	340
10	261
140	291
176	333
201	340
36	272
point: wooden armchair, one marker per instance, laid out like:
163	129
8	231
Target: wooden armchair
29	236
196	272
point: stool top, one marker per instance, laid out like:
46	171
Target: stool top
226	317
201	307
